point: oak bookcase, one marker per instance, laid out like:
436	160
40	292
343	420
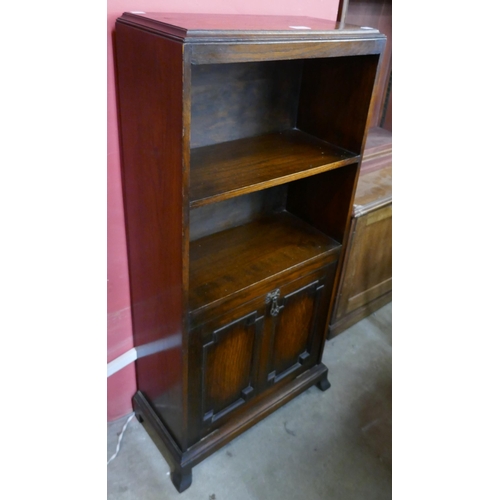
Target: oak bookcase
241	140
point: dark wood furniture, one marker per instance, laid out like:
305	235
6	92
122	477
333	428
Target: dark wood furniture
366	273
241	145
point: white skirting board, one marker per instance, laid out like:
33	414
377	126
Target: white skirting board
122	361
144	350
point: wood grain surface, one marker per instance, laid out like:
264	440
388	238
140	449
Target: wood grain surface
222	171
230	261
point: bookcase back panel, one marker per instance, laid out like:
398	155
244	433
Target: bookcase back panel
232	101
209	219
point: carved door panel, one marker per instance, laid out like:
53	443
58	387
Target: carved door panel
296	327
225	366
229	373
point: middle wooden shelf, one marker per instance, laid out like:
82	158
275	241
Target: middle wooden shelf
229	169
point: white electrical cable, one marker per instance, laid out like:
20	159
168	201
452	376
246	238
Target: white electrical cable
120	437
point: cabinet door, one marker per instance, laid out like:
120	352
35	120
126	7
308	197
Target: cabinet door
297	318
368	269
224	365
236	358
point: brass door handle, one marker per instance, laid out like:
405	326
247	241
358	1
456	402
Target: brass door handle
273	298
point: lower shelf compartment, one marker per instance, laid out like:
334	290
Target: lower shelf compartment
238	259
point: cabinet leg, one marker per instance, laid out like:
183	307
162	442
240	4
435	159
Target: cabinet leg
182	478
323	384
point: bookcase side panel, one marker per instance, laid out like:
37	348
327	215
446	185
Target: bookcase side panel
150	89
335	99
325	200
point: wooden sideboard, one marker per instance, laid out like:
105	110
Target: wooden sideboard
366	274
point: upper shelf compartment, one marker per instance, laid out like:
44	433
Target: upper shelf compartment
222	171
260	124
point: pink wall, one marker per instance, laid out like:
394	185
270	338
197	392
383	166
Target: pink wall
121	385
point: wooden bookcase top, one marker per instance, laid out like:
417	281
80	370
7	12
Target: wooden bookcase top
220	26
